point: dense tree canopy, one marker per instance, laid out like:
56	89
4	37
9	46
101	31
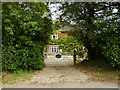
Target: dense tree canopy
97	26
26	31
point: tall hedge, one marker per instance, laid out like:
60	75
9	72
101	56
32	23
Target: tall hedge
26	31
107	42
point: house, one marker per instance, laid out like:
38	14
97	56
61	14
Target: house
53	49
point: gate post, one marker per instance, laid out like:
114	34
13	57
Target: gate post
74	57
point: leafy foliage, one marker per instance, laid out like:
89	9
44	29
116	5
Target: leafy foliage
68	44
26	31
109	46
95	24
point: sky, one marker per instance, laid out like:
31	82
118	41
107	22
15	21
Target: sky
55	7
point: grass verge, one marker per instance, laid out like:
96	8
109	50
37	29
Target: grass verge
101	70
16	76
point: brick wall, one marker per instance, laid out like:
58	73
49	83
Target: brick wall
62	35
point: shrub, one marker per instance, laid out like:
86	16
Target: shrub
109	47
107	43
26	31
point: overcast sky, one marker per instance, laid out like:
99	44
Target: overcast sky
54	7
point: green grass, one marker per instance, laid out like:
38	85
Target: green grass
16	76
111	78
99	64
100	69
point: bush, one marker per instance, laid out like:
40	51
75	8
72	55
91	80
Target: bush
109	47
107	44
25	58
25	34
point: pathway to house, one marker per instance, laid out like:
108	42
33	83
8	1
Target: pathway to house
67	76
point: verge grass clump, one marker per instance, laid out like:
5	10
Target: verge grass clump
101	69
16	76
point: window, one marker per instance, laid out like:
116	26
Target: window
55	36
53	48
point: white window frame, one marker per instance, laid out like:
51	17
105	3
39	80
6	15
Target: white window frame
56	36
53	48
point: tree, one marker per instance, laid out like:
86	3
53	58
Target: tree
84	17
107	42
26	31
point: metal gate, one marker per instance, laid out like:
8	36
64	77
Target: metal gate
58	59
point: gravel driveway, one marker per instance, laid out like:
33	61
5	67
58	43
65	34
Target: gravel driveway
61	77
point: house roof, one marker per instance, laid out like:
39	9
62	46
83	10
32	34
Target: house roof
65	28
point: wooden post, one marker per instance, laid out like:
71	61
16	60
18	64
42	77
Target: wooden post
74	57
43	53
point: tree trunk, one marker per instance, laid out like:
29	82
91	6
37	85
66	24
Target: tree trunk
91	53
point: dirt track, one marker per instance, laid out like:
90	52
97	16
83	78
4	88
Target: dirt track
62	77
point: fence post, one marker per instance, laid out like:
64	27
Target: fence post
74	57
